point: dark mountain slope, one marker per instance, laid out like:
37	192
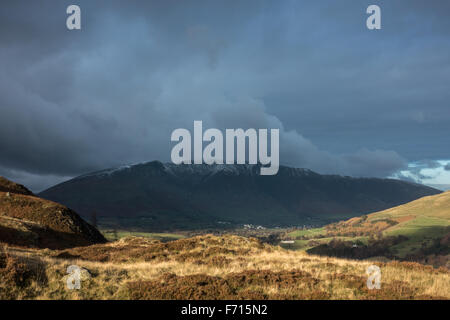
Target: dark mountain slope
165	196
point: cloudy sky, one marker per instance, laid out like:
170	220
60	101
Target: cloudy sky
347	100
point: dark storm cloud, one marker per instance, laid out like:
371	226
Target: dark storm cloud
347	100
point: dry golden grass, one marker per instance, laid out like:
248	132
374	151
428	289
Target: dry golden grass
9	186
437	206
209	267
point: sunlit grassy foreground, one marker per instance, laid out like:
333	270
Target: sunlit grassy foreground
208	267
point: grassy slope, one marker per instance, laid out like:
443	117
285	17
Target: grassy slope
31	221
208	267
421	221
9	186
426	219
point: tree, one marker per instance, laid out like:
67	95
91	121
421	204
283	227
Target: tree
94	219
115	235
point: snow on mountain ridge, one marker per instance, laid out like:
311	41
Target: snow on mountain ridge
205	170
199	169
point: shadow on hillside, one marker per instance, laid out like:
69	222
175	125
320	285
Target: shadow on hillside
43	238
433	240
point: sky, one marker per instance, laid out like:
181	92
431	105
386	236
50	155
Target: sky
347	100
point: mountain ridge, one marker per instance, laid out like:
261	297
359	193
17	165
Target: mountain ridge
169	196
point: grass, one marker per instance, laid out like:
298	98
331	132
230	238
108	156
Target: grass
310	243
111	235
423	222
313	237
310	233
420	232
209	267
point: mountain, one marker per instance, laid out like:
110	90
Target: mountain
29	221
157	196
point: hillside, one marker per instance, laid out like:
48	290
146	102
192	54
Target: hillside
29	221
208	267
421	227
9	186
157	196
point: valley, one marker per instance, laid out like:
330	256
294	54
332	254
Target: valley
42	242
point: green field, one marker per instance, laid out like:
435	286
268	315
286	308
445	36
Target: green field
112	236
429	219
312	242
307	233
420	232
423	222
